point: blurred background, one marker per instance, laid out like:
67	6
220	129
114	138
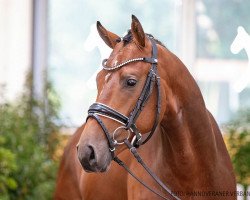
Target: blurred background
50	52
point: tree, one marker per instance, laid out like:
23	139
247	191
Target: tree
28	165
238	143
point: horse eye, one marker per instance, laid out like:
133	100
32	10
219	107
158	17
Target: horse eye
131	82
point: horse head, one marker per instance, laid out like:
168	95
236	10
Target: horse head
119	89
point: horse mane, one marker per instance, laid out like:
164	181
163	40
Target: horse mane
129	37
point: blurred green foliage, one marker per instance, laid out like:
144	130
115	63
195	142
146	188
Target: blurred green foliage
28	141
238	143
7	167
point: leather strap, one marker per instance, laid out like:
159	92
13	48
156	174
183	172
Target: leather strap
139	159
147	90
107	111
122	164
158	109
110	141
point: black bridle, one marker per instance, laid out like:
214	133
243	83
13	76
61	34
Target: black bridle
129	123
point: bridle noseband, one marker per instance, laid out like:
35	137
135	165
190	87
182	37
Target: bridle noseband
128	123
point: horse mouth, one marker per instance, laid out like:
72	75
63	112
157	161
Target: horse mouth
95	169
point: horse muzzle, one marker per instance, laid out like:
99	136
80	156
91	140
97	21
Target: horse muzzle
92	159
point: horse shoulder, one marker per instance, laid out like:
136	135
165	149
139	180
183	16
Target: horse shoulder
225	168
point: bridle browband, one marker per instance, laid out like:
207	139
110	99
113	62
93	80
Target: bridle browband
128	123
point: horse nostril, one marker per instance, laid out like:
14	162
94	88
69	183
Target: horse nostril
87	157
92	158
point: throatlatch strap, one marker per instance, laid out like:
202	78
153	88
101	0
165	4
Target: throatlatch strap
141	100
158	106
158	109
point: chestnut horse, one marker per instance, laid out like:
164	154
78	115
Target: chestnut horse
186	150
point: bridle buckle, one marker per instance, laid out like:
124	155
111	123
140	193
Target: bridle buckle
112	150
136	140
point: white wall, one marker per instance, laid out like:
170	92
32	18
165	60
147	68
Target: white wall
15	44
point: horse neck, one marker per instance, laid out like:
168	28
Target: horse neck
186	127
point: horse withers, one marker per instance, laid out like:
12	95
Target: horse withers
147	100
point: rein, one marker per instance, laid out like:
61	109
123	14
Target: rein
128	123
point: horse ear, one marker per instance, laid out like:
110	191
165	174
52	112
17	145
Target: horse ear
137	31
109	38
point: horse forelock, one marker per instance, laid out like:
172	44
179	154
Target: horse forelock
129	37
